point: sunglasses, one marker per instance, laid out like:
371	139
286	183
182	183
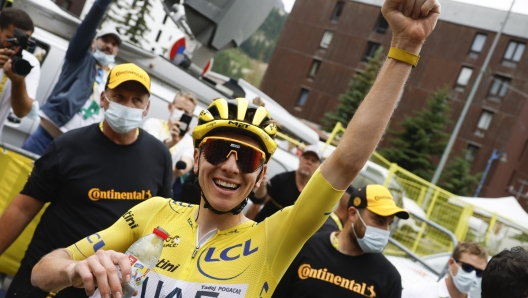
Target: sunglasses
216	150
469	268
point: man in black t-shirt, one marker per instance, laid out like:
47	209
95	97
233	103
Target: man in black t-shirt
349	263
284	189
90	176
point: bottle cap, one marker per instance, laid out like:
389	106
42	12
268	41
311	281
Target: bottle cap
160	232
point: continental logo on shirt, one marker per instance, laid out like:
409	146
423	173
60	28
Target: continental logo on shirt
167	265
129	218
95	194
306	271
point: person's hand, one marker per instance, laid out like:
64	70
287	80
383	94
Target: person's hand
174	131
100	270
8	71
411	21
261	191
5	54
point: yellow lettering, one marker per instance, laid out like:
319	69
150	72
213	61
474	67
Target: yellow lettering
129	195
329	277
94	194
357	288
351	284
345	282
313	273
304	271
337	280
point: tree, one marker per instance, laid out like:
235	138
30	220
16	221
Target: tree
263	41
457	178
358	88
422	137
130	18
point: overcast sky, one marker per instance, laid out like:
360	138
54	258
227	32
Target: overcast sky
521	6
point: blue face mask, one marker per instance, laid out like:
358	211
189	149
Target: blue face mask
103	58
463	280
374	240
122	119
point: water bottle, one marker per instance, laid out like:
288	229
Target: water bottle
143	255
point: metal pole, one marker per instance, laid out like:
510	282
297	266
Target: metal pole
488	166
462	117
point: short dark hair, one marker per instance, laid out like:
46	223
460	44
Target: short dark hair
506	275
17	17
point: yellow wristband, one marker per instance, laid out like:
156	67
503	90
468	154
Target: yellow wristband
403	56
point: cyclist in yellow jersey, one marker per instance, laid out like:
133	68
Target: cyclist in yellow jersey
214	250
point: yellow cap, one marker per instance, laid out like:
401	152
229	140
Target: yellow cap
377	199
128	72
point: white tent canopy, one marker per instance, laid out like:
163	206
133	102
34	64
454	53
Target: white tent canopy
508	210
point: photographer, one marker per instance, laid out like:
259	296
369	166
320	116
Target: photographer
16	91
177	140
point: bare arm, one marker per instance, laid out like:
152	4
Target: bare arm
17	216
411	22
20	100
81	274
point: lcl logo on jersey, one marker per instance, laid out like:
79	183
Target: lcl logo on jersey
213	256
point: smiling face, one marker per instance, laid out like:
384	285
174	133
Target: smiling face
224	185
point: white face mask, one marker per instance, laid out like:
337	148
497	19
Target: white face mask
176	115
123	119
103	58
463	280
374	240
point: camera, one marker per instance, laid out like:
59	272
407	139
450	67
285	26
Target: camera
22	41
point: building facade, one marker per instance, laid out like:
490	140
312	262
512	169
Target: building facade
325	42
73	6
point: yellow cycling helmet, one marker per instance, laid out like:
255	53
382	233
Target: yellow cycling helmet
237	115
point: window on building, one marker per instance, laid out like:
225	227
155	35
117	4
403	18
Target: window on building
499	87
158	36
381	25
66	5
484	123
327	39
513	53
372	47
314	68
338	9
303	97
463	78
471	152
477	45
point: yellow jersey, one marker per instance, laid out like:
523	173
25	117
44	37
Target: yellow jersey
247	260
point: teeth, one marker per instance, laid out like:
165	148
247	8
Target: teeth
225	184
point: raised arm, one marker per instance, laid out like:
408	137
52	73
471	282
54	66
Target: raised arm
411	22
83	37
361	137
